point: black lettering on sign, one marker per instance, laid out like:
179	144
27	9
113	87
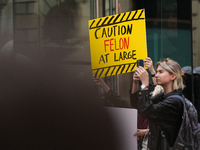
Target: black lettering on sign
115	30
125	55
102	59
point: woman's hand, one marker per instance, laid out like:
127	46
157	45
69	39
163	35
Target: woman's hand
149	63
143	75
135	78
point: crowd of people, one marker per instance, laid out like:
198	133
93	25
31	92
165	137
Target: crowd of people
160	114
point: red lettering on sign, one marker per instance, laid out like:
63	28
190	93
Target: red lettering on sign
106	44
113	45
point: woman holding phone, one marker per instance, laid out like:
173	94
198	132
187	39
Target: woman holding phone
163	112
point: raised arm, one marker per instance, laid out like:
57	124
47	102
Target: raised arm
149	63
113	97
135	84
101	83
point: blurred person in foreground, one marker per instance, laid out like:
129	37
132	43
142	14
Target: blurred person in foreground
41	108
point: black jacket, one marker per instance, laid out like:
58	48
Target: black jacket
164	114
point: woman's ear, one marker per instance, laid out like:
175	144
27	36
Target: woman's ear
173	76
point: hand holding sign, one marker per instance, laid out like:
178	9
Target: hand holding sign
117	42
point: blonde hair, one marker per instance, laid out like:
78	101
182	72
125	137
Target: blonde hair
173	68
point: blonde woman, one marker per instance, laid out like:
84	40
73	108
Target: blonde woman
163	112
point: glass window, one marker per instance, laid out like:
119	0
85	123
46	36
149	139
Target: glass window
196	52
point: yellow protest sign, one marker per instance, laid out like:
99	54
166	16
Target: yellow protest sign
117	42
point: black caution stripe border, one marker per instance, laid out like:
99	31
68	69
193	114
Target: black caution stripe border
119	68
110	18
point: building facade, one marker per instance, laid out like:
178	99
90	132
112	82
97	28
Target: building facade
56	31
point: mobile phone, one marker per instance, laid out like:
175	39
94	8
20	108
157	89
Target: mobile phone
140	62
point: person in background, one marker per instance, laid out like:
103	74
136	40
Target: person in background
196	82
163	112
187	79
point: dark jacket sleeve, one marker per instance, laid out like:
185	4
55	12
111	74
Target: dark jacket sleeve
167	109
134	96
165	112
117	100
